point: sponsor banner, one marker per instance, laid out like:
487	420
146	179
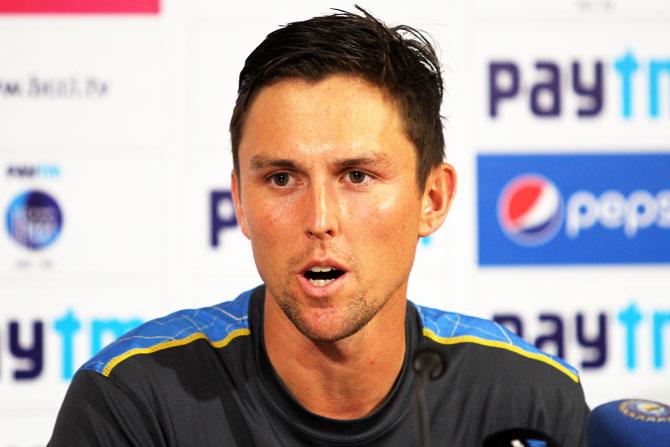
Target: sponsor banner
66	83
115	201
48	329
82	215
611	323
589	85
573	209
221	262
80	7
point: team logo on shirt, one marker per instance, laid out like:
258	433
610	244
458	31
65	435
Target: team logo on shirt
530	210
645	410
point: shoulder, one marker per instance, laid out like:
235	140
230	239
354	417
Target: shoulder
217	325
453	329
503	380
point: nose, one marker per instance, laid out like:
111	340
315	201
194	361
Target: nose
321	213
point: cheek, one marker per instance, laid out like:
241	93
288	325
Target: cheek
270	221
385	240
268	239
389	220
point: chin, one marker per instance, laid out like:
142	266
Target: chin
327	319
321	324
328	325
324	336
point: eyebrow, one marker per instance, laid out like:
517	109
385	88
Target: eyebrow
259	162
374	159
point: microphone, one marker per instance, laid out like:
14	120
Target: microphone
428	364
520	437
630	423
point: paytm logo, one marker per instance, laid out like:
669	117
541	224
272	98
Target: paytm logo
24	343
591	335
550	84
221	215
41	170
574	209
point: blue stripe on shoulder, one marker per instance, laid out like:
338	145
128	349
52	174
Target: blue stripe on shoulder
450	325
215	322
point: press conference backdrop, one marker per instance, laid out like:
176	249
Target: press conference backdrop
115	179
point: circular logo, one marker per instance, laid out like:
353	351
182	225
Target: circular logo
645	410
530	210
34	219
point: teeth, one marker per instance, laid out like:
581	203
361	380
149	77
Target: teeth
321	282
321	269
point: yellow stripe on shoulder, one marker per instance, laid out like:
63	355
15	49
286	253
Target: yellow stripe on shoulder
107	370
502	345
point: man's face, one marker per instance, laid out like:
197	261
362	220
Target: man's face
328	197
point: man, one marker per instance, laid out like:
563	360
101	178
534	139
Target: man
338	171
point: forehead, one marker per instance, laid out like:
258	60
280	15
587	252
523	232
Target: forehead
342	113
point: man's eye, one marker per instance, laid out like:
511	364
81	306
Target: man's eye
280	179
357	176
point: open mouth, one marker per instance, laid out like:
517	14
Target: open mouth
322	276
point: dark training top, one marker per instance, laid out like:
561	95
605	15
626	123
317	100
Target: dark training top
202	378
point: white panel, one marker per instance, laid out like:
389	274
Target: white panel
517	128
82	80
113	212
69	311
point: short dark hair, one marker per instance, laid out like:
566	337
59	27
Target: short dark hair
399	60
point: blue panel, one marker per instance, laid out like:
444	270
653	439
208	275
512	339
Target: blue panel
593	209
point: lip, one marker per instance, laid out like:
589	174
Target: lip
322	291
325	262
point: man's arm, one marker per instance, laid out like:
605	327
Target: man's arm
97	412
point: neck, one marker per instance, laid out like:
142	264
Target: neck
346	379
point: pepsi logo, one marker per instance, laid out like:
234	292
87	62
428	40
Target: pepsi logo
530	210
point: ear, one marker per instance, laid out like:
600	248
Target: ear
239	212
436	198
